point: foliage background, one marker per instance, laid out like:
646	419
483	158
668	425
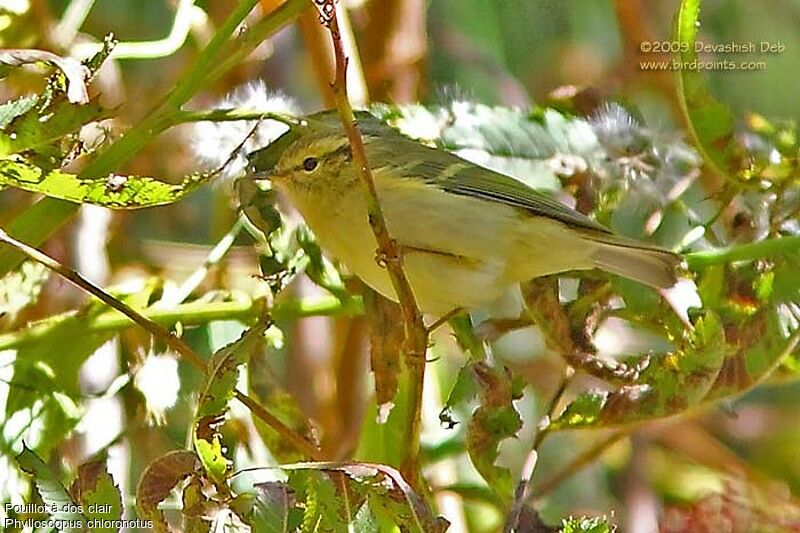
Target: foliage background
710	464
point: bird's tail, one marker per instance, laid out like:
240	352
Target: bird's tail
646	264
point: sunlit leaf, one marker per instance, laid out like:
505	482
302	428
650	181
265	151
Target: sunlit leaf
21	288
60	504
98	494
710	122
492	422
215	394
676	382
115	191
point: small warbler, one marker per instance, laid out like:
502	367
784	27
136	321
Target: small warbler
466	233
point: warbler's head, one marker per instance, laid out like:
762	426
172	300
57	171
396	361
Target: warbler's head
315	160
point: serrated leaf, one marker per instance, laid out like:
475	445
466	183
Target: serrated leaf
215	394
677	381
14	108
100	497
584	524
32	131
158	480
492	422
376	481
54	495
115	192
710	122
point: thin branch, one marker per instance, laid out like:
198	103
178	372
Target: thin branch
155	329
743	252
578	464
388	253
43	218
232	114
190	314
282	429
521	493
75	278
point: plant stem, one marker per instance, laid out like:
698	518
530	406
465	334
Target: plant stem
389	253
155	329
190	314
75	278
523	487
227	115
743	252
577	464
41	220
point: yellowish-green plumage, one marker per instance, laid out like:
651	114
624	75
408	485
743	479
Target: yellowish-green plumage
467	233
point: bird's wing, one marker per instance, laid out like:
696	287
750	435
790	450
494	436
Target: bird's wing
459	176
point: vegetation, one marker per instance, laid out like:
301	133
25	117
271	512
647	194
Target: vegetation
204	366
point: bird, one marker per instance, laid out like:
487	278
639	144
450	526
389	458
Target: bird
466	233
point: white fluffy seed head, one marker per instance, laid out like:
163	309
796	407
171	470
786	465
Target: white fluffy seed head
214	143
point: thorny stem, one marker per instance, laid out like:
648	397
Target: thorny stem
388	253
155	329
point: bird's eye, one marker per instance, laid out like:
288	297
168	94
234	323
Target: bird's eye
310	163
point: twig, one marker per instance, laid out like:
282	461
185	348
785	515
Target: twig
154	329
523	487
214	256
190	314
75	278
282	429
388	253
743	252
43	218
578	463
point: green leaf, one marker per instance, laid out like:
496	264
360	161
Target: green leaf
270	508
32	131
158	480
385	489
677	381
14	108
492	422
100	497
584	524
319	268
266	388
710	122
38	403
116	191
215	394
60	504
64	352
